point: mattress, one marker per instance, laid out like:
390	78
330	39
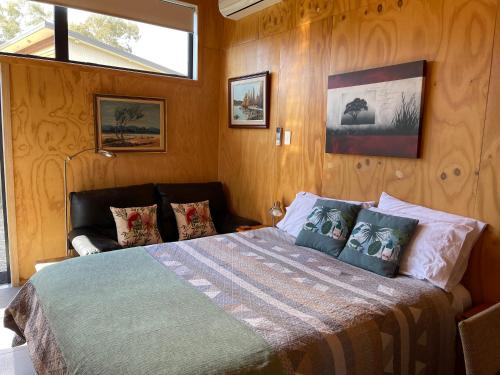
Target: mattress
249	302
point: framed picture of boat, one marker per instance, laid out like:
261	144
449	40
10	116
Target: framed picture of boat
130	124
249	101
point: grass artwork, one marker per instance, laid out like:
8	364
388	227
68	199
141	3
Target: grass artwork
376	112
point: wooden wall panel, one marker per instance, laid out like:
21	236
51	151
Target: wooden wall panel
277	19
52	116
456	171
445	177
240	159
484	272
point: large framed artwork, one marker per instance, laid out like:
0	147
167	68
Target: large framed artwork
248	98
130	124
376	112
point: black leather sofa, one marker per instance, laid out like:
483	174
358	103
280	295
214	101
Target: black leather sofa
92	218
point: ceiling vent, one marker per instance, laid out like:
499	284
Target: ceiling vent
237	9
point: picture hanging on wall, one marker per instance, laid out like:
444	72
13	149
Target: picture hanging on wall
130	124
248	98
376	112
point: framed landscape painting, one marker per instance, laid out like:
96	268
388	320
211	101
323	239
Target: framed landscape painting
376	112
249	101
130	124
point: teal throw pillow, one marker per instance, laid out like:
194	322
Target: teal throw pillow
377	242
328	226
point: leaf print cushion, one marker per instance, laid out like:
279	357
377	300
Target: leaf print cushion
328	226
193	220
377	242
136	226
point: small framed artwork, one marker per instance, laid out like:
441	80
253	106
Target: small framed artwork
248	98
130	124
376	112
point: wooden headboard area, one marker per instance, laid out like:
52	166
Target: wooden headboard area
303	41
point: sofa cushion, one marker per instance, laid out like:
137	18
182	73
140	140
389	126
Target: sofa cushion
187	193
193	220
91	208
136	226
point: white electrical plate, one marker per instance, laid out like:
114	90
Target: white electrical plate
288	137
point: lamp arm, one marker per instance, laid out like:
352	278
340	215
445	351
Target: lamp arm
67	159
70	157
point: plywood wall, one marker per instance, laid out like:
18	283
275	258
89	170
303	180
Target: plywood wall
52	116
303	41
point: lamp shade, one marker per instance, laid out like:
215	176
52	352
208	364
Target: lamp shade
275	210
107	154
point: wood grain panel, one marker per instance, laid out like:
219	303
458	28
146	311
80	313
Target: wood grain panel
455	36
304	64
314	10
458	77
244	31
52	116
240	159
484	275
277	18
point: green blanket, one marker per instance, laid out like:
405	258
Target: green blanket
124	313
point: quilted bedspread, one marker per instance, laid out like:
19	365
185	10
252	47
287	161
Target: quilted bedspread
315	314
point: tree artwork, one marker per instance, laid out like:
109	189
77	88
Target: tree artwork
355	107
123	116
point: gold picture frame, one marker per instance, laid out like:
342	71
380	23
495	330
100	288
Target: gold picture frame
130	124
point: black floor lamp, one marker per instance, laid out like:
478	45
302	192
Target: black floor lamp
67	159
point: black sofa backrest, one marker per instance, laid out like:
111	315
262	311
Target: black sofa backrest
90	209
189	193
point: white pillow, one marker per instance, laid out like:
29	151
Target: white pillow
83	246
440	248
296	213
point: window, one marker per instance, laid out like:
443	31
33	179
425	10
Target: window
67	34
27	28
107	40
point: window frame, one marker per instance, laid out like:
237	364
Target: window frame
61	46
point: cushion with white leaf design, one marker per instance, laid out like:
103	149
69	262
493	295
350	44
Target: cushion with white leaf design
328	226
377	242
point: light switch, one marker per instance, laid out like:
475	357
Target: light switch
288	137
279	132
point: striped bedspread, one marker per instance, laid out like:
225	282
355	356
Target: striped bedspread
317	314
320	315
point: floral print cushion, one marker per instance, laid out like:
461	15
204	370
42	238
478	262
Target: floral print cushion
136	226
193	220
377	242
328	226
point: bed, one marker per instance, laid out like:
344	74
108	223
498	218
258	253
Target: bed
249	302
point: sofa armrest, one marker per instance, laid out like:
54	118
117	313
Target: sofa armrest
87	241
231	222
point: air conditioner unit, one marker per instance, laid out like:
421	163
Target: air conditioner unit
237	9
